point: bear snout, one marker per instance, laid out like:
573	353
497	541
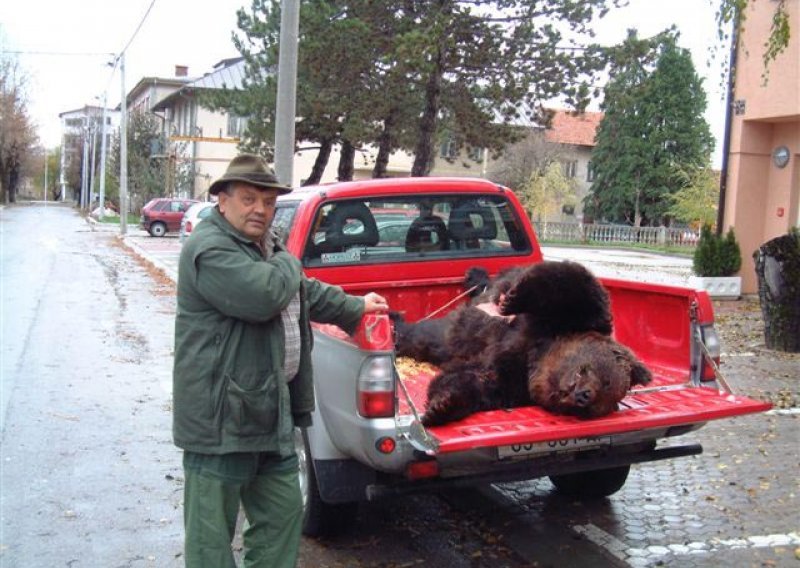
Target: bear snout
583	397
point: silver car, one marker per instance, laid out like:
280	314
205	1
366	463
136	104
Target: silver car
196	213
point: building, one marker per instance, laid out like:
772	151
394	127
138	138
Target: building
81	143
205	140
575	135
762	193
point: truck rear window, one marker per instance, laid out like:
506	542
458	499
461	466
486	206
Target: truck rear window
414	228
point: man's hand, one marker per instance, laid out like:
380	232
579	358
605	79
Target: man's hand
374	303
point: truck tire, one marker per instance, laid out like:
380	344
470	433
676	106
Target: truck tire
158	229
588	485
319	518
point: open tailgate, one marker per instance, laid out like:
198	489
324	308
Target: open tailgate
657	406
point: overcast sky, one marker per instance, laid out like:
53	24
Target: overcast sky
65	45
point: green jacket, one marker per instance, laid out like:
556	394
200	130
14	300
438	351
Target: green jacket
229	389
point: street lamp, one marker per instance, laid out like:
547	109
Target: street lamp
123	151
103	159
45	176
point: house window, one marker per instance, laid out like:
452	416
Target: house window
570	168
590	173
449	149
475	154
236	125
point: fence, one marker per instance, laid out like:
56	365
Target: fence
593	233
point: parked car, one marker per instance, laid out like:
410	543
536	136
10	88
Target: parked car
196	213
164	214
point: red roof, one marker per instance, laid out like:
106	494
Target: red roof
570	128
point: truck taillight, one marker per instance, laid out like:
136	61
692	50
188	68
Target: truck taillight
188	227
711	341
375	395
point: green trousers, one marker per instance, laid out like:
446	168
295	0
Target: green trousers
268	489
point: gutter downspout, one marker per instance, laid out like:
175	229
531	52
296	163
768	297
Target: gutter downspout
726	143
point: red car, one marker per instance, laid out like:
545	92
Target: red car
164	214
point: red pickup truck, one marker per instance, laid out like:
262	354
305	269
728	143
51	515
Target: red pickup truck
412	240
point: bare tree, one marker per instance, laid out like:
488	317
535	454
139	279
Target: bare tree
17	134
520	161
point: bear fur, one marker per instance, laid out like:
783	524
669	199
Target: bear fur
556	352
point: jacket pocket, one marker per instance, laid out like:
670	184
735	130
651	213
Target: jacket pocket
253	412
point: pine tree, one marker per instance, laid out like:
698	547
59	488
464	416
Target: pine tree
400	74
653	124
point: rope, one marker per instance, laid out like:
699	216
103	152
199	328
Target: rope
450	303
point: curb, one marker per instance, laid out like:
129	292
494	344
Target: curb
167	270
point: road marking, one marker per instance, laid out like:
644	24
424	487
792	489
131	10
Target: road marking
784	411
627	553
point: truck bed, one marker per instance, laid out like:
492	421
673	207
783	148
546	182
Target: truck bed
652	320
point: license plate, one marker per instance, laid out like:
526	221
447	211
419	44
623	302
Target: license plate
553	446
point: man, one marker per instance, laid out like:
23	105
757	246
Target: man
242	375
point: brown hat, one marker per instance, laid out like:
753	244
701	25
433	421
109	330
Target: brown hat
251	169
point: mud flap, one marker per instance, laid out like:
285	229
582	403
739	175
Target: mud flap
343	481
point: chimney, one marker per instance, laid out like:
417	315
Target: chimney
181	71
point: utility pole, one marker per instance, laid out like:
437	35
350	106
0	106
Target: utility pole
62	182
287	89
103	160
45	176
85	160
94	161
123	152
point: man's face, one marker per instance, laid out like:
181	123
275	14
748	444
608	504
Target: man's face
249	209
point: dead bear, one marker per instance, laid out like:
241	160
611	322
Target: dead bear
585	375
556	352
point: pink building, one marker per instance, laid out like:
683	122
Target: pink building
763	186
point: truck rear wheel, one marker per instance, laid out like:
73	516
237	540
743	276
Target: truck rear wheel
319	518
588	485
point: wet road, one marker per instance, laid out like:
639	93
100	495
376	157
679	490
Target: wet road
90	477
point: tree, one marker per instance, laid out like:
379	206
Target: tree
402	73
17	134
476	61
734	13
696	202
520	160
53	158
653	123
150	172
546	190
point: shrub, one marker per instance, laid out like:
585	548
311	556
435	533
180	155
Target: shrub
731	255
715	255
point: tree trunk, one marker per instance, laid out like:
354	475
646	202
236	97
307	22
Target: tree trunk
423	153
778	270
385	145
324	154
346	161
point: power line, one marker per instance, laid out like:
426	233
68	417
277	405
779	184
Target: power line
139	27
60	53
